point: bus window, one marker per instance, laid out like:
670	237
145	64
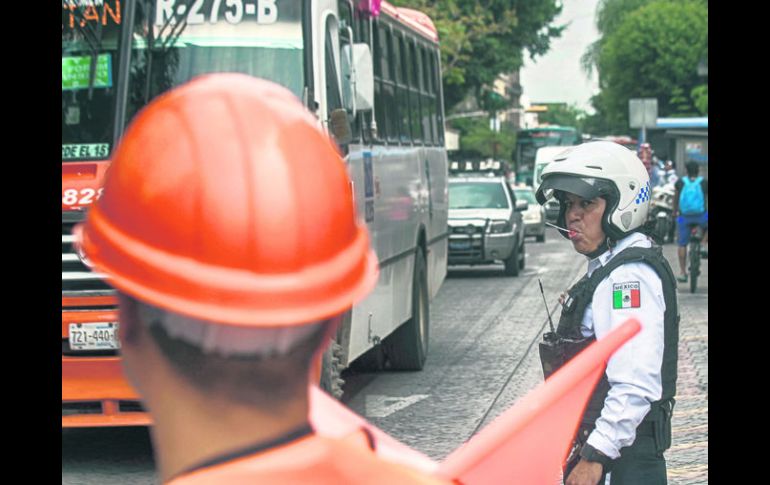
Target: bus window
439	103
395	71
364	119
403	90
438	130
381	97
168	52
346	27
428	98
390	61
414	93
89	104
333	99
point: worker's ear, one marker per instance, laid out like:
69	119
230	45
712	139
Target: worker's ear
128	316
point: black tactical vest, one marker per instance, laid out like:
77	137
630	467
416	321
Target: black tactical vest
580	296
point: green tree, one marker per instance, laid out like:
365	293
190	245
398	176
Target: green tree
700	96
563	115
481	39
478	141
649	48
609	15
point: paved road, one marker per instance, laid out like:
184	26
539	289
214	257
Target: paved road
483	357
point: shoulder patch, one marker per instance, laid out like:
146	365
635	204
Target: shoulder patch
626	295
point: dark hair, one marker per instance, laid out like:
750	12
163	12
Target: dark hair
256	380
692	168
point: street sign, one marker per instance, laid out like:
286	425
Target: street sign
642	112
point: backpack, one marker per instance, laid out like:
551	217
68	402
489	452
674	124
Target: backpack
691	197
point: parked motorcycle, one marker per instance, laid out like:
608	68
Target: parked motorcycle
660	216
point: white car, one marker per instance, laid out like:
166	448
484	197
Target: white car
534	216
485	223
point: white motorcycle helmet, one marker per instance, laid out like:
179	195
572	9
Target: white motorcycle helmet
601	169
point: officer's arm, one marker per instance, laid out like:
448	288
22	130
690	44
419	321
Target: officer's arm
634	371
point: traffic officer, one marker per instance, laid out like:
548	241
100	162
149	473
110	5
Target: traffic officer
604	192
227	226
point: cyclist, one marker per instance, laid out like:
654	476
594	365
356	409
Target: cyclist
690	209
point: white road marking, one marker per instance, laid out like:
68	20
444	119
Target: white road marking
379	406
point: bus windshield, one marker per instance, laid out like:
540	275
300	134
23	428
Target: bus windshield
529	140
176	40
89	64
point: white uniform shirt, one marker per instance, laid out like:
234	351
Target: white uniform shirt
634	370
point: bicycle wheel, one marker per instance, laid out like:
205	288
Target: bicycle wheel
694	265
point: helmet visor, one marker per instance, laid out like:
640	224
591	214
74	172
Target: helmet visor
585	187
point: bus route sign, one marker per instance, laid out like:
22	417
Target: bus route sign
75	72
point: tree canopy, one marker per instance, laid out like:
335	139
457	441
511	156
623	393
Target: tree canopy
649	49
563	115
481	39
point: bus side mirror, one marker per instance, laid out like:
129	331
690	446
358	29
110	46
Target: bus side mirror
358	77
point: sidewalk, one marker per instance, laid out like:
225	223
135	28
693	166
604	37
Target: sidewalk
688	456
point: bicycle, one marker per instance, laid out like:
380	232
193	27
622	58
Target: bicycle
693	249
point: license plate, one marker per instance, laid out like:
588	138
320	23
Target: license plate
94	336
459	245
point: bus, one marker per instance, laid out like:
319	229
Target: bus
371	74
530	139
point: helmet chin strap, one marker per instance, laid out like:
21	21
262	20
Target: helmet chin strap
604	246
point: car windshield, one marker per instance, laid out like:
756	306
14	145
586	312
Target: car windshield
477	195
527	195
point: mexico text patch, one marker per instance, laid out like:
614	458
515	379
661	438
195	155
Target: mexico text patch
626	295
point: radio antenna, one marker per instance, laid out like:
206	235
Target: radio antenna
546	305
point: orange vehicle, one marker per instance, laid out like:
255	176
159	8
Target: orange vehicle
94	392
372	81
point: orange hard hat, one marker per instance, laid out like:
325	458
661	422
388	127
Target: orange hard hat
226	202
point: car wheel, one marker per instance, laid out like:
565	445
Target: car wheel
522	254
512	263
541	237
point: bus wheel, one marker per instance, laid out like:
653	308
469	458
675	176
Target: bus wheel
407	347
331	369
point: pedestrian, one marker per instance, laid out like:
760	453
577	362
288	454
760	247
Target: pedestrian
645	156
227	227
656	172
604	194
690	209
671	176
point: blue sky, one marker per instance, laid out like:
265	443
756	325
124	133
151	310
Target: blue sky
557	76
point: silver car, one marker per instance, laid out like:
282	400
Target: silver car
534	216
485	223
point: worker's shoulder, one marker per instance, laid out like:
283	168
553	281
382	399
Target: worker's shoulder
313	460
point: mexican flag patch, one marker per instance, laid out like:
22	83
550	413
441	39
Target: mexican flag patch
625	295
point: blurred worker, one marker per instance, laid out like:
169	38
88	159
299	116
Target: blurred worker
604	194
227	226
690	209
